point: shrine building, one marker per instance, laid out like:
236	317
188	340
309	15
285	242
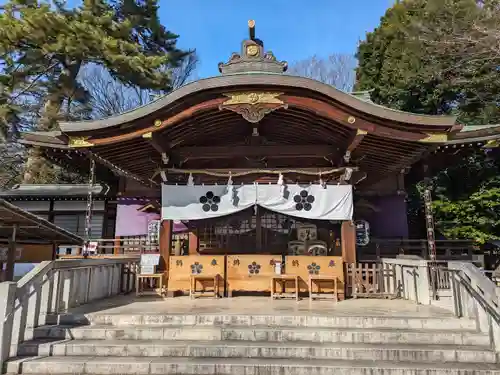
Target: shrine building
254	167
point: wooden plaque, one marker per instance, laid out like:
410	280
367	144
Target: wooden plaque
250	273
303	266
182	267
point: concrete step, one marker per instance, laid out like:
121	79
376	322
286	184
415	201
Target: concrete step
344	321
235	366
257	349
264	333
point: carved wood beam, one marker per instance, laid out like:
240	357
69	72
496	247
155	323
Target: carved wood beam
354	143
253	106
269	151
159	145
331	112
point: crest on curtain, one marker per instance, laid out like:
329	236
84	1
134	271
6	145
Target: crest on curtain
333	202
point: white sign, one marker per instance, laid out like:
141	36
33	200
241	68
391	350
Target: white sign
277	268
147	270
150	259
5	250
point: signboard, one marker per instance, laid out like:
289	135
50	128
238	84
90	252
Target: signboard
154	231
150	259
362	232
149	263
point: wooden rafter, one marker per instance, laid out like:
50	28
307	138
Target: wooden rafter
159	145
269	151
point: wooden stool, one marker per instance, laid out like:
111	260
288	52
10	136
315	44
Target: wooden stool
150	277
282	279
323	278
193	292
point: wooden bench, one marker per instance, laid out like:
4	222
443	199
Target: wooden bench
193	292
141	278
319	279
282	280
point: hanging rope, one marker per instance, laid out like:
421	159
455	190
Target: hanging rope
256	171
90	203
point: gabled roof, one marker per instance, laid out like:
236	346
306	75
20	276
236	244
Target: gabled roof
271	82
31	227
54	190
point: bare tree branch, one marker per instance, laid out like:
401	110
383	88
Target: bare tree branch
336	70
110	96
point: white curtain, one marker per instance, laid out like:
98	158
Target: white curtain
333	202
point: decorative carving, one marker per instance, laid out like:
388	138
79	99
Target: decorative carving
252	57
253	98
253	106
253	50
79	142
361	132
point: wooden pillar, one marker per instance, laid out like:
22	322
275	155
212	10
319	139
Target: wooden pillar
11	256
55	246
193	242
117	247
348	237
258	228
166	230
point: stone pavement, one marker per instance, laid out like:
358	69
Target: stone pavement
259	305
256	336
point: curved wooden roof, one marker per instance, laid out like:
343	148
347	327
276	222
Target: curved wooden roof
273	82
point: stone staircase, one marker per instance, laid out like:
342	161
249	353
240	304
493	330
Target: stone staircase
234	344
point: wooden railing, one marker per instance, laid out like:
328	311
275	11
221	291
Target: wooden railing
53	287
112	246
389	248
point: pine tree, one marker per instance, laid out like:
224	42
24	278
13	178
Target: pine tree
441	57
43	48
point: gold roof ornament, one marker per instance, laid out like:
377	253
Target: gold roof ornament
251	29
253	57
253	106
79	142
435	138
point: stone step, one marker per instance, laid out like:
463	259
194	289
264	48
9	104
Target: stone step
235	366
257	349
345	321
264	333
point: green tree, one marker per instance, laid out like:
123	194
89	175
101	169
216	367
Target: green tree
441	57
44	46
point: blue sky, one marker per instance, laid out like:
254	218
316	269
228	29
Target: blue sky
292	29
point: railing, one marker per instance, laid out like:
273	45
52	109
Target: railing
54	287
460	287
371	280
387	248
112	246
